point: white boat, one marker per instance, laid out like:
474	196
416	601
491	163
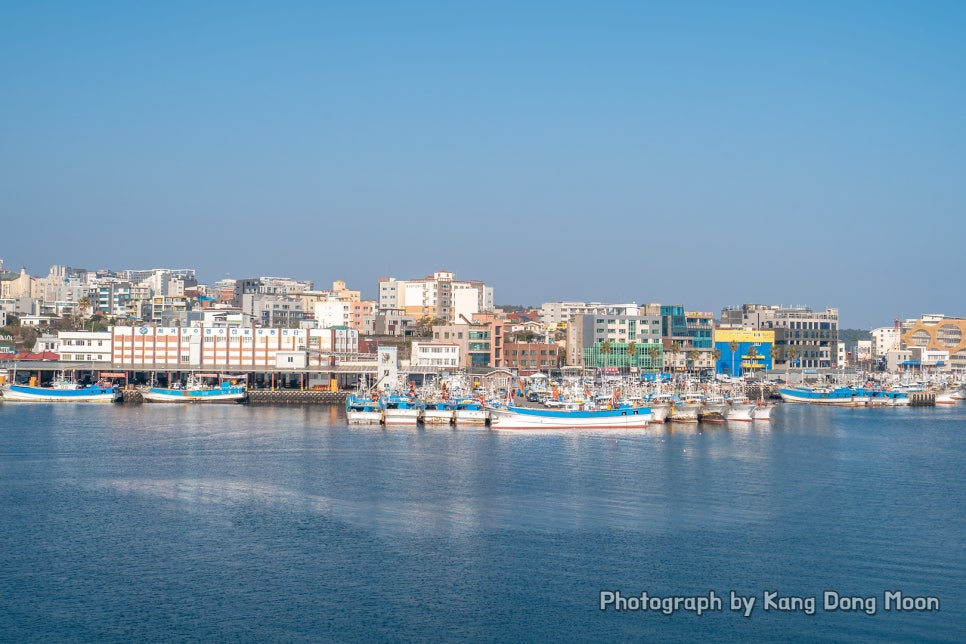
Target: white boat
571	417
195	391
437	412
660	405
713	409
762	411
686	409
741	409
62	391
946	397
470	411
400	410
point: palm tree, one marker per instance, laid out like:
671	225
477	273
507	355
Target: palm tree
693	356
733	345
675	350
631	352
83	308
653	352
605	351
792	353
716	355
752	354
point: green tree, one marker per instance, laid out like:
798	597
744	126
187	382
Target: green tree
654	352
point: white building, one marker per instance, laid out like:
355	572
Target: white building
332	313
884	339
439	355
439	295
84	346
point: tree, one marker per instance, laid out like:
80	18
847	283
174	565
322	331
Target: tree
605	351
693	356
752	353
792	353
716	355
675	350
631	352
733	345
654	352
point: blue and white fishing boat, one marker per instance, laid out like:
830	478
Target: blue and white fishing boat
401	410
838	396
62	391
195	391
569	417
470	411
362	410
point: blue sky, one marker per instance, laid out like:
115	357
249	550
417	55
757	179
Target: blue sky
700	153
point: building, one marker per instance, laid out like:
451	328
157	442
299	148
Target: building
940	333
743	351
885	339
615	341
530	357
84	346
805	338
242	349
559	314
438	356
438	296
480	340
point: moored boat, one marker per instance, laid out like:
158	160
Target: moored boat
839	396
570	417
400	410
438	412
195	391
762	411
362	411
62	391
741	409
470	411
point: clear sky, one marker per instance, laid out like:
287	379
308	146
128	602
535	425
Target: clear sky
698	153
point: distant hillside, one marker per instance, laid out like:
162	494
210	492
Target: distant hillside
853	335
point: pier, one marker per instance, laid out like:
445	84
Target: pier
271	397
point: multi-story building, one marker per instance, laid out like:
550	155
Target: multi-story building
152	347
807	338
938	332
530	357
557	314
615	341
437	296
435	355
885	339
333	313
393	322
276	311
111	297
84	346
480	340
743	351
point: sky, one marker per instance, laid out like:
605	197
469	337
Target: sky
699	153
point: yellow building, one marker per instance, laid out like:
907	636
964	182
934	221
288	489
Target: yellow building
750	353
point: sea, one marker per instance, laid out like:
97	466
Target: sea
245	523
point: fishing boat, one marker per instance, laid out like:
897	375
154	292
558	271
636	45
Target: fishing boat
470	411
62	390
569	417
713	409
438	412
685	409
196	391
362	410
401	410
741	409
660	406
838	396
762	411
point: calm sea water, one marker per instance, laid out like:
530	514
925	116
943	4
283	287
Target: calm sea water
247	523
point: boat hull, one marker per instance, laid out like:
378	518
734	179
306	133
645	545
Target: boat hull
163	395
762	412
364	417
741	411
23	393
401	416
838	397
437	416
526	418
